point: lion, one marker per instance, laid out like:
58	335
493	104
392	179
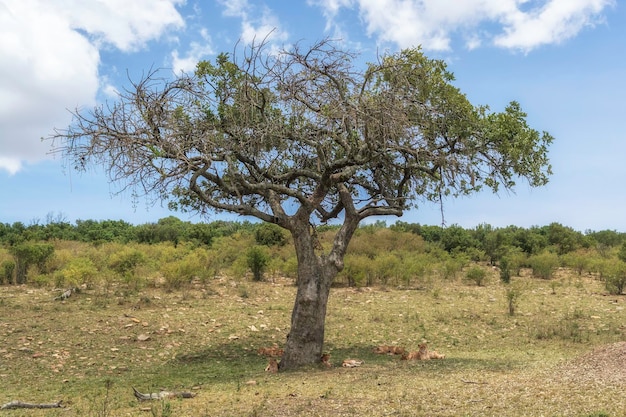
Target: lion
272	366
423	354
397	350
351	363
382	349
410	356
326	360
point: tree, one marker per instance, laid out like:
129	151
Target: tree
301	137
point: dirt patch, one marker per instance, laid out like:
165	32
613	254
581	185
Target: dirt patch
604	364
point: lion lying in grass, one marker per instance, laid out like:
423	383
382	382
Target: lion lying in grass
423	354
351	363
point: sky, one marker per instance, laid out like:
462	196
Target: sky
564	61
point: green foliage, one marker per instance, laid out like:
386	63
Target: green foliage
269	235
451	266
125	261
476	274
30	254
544	264
180	272
622	252
512	296
578	261
565	239
358	271
257	260
76	272
615	277
8	268
567	328
505	270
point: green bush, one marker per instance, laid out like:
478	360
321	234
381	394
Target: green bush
125	261
30	254
578	261
77	271
8	267
544	264
181	272
476	274
257	260
505	270
269	235
615	277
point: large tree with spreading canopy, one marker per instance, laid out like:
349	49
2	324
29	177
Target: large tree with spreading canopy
303	136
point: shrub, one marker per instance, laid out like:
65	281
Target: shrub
269	235
476	274
359	270
505	270
76	272
544	264
125	261
27	255
615	278
578	261
181	272
8	267
512	295
257	260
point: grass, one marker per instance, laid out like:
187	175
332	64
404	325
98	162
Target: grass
204	339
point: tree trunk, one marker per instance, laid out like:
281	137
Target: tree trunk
305	341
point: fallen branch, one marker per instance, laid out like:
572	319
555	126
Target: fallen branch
161	395
19	404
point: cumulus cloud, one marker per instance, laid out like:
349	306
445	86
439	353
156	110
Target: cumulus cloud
197	51
515	24
257	22
50	57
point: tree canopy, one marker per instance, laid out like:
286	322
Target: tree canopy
272	132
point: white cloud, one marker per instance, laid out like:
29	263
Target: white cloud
518	24
263	26
554	22
197	51
50	56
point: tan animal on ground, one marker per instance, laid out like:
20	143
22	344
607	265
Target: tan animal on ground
272	367
382	349
423	354
351	363
429	354
411	356
326	360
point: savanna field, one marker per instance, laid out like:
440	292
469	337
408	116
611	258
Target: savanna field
550	345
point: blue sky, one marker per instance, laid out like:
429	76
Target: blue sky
563	60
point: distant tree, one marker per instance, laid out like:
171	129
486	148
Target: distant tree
27	255
564	238
257	260
269	234
301	137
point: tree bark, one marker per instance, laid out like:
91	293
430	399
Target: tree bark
305	342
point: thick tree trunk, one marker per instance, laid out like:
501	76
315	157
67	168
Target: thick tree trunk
305	341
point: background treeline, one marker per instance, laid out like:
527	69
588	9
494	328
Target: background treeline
174	253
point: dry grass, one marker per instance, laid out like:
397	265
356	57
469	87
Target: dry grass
562	353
